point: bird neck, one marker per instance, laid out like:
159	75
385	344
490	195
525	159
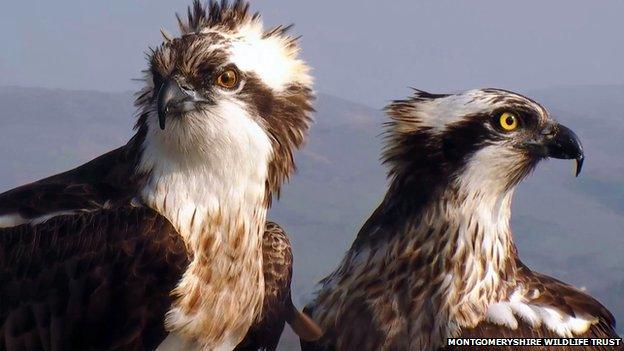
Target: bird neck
437	260
457	251
217	191
472	234
465	221
217	202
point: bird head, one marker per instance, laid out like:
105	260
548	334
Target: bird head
486	139
226	84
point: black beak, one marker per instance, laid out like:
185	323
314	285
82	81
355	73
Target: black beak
170	94
561	142
175	98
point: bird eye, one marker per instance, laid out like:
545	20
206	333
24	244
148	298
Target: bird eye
228	79
508	121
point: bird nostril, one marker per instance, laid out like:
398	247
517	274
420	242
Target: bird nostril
182	83
185	86
548	131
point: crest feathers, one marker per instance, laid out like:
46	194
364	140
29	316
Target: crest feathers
216	14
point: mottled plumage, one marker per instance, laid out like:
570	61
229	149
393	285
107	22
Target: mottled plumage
552	293
224	106
99	280
278	307
437	259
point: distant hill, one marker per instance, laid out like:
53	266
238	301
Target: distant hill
569	228
44	131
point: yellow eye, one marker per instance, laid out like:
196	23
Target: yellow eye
508	121
228	79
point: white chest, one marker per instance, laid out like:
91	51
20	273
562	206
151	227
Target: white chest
214	194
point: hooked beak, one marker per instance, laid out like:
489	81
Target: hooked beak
169	94
559	141
172	98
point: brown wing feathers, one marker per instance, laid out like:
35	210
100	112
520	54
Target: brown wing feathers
278	307
91	281
552	293
567	298
105	181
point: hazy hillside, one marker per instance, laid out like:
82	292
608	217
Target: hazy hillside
44	131
567	227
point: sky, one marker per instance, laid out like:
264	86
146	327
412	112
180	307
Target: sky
365	51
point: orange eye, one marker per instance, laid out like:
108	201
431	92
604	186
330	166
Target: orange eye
228	79
508	121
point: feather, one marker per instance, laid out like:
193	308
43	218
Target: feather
166	36
278	307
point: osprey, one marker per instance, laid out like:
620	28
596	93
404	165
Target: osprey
437	258
165	233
